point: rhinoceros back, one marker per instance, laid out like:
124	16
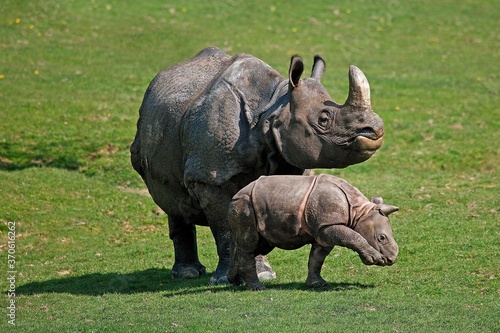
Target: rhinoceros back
156	152
167	98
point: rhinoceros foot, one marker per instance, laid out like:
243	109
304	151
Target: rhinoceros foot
219	279
255	286
372	257
316	282
188	271
235	280
239	281
264	270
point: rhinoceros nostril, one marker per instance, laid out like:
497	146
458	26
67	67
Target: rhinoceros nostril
367	132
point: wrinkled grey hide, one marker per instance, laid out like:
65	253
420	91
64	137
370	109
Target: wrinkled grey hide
291	211
212	124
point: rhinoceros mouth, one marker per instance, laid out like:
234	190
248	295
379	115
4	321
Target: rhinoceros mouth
367	145
368	132
389	261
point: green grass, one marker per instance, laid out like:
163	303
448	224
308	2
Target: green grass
92	251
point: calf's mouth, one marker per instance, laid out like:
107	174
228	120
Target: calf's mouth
389	261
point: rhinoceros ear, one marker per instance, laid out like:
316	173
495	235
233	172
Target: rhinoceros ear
318	68
377	200
387	209
296	70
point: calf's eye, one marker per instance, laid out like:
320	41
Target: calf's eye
382	238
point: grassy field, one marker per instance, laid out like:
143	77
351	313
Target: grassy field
92	252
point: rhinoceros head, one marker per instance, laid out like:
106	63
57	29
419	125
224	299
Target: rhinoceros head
316	132
374	227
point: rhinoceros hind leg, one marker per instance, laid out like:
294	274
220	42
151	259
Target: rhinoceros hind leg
187	264
247	242
249	274
234	278
222	237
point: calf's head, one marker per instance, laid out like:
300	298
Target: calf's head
319	133
374	227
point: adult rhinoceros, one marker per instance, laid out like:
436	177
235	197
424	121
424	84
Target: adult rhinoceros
214	123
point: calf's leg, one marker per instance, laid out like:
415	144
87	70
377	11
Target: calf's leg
316	259
241	220
244	271
343	236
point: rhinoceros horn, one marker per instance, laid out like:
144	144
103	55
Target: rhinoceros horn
359	89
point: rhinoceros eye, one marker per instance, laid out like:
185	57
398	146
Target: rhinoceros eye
382	238
324	119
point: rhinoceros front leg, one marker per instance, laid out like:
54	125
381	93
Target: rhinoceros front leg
183	235
316	259
346	237
214	200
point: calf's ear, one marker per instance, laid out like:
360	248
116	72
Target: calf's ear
377	200
387	209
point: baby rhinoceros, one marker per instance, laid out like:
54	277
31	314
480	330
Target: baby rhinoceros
291	211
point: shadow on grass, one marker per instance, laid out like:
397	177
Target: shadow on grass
19	156
330	287
154	280
96	284
342	286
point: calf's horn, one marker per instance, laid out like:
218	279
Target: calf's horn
359	89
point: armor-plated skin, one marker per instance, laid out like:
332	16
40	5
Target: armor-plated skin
291	211
214	123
